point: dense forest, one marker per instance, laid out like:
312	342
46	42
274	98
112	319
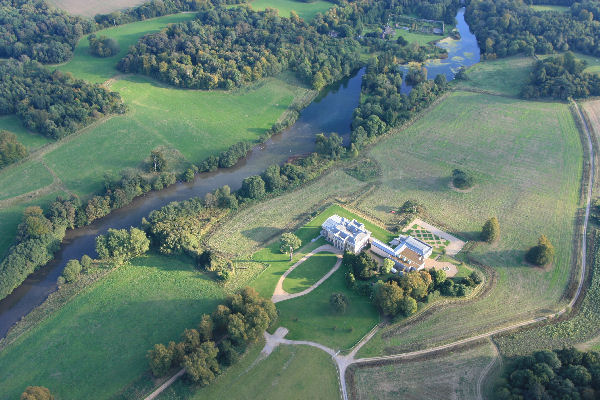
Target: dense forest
34	29
507	27
52	103
558	374
11	150
225	48
561	77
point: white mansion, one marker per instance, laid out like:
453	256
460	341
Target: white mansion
350	235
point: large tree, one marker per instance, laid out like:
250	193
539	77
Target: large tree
36	393
491	230
542	253
289	242
11	150
253	187
388	298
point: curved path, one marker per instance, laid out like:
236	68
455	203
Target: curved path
280	295
487	370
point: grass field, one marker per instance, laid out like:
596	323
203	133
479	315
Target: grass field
99	69
29	139
449	376
310	317
90	8
96	344
23	178
290	372
309	272
504	76
305	10
541	7
527	160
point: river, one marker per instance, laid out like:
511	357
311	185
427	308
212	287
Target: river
330	112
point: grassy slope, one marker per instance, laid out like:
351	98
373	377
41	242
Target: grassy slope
29	139
305	10
290	372
23	178
504	76
310	317
449	376
527	158
540	7
90	8
309	272
96	344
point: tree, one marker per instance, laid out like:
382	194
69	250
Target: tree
158	162
289	243
388	297
253	187
438	276
542	253
318	81
160	359
407	306
34	224
72	271
86	262
272	178
462	179
388	265
205	328
202	366
330	146
413	285
11	150
121	245
491	230
36	393
338	302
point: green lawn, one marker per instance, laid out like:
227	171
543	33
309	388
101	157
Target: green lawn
593	63
527	160
305	10
99	69
504	76
290	372
23	178
310	317
96	344
309	272
542	7
29	139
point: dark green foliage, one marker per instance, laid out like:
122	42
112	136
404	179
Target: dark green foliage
52	103
407	306
11	150
289	241
34	224
558	374
201	366
412	207
32	28
253	187
561	77
103	46
542	253
86	262
491	230
462	179
338	303
330	146
238	46
158	162
72	271
272	177
388	298
121	245
361	265
36	393
231	156
415	75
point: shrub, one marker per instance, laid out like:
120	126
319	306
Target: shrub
542	253
72	271
491	230
11	150
338	302
36	393
462	179
86	262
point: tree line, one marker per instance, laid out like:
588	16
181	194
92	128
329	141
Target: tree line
558	374
11	150
51	102
218	340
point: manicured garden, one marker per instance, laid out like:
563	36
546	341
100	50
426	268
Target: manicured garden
309	272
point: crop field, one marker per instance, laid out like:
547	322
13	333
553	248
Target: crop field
289	372
29	139
98	69
96	344
90	8
305	10
505	76
310	317
309	272
527	160
449	376
254	227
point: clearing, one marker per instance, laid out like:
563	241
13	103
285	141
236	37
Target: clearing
90	8
305	10
95	345
545	7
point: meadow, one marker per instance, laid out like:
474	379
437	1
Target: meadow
547	7
527	160
29	139
505	76
305	10
89	8
95	345
289	372
309	272
452	375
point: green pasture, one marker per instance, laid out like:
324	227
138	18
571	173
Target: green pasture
310	317
309	272
305	10
505	76
544	7
527	160
289	372
29	139
593	63
95	345
23	178
94	69
90	8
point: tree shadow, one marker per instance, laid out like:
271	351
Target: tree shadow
261	231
